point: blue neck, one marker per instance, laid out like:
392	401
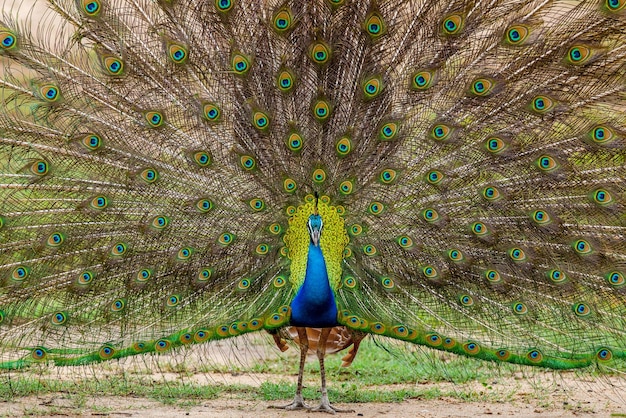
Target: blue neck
314	305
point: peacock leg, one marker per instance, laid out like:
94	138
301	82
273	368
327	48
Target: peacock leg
325	405
298	401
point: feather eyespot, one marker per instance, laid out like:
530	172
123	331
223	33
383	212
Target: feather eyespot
616	278
285	81
295	142
369	250
201	336
388	131
493	276
615	5
452	24
430	215
59	318
226	238
520	308
162	345
466	300
223	6
601	135
85	278
604	354
517	254
578	54
202	158
471	348
434	340
243	284
374	25
8	40
349	282
118	305
172	301
346	187
602	197
118	250
257	205
282	20
55	239
155	119
113	66
503	355
204	205
290	185
279	281
388	176
376	208
422	80
320	53
440	132
430	272
91	8
372	87
582	247
516	35
177	53
547	164
184	254
160	222
275	228
38	353
405	241
479	229
261	120
247	163
205	275
534	356
434	177
581	309
262	249
495	145
143	275
541	217
387	282
240	64
343	146
542	104
20	273
40	168
491	194
319	175
321	110
482	87
557	276
91	142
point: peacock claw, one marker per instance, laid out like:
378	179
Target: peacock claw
325	406
296	404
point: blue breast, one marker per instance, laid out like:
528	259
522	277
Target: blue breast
314	305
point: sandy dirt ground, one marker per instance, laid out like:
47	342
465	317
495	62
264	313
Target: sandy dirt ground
546	395
61	406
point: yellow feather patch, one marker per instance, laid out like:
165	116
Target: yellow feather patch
333	240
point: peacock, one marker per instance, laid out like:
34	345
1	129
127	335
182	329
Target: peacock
450	174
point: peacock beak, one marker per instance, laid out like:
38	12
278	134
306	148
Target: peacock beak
315	237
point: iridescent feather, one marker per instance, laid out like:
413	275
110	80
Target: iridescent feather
166	168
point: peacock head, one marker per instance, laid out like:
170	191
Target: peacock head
315	228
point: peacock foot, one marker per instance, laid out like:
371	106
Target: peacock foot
297	403
325	406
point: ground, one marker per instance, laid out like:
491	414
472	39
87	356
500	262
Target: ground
247	378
